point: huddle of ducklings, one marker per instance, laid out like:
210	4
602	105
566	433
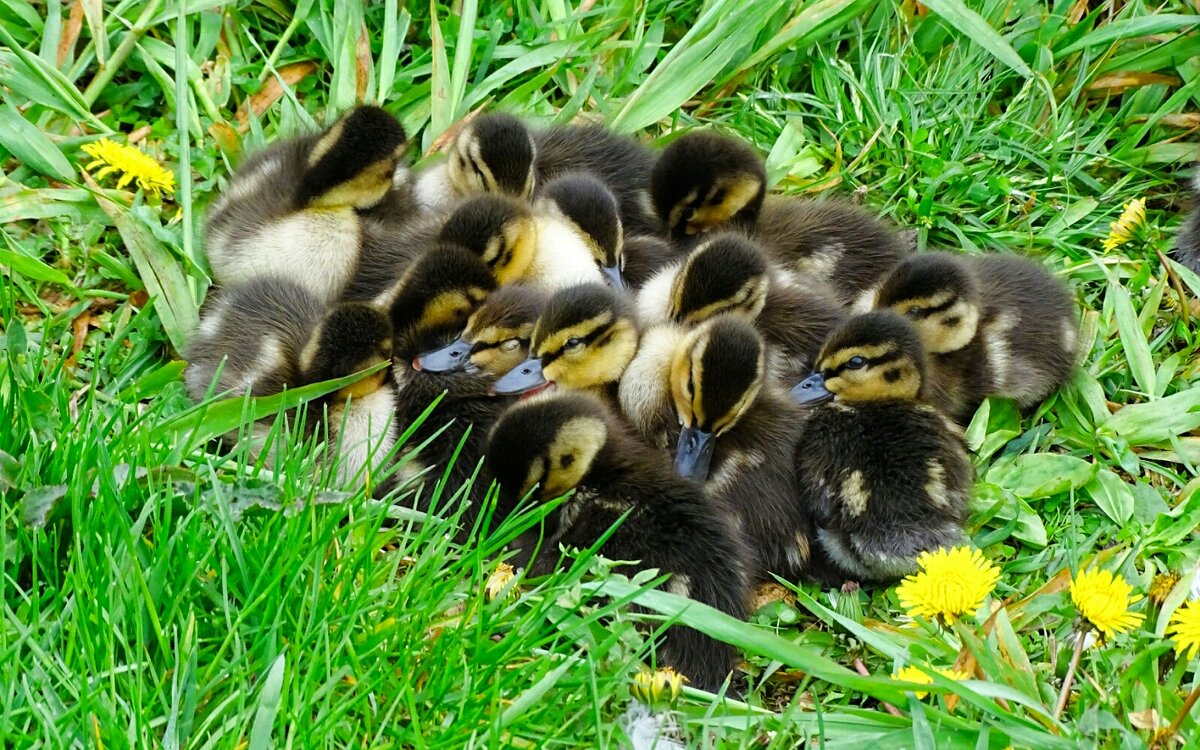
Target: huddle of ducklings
753	386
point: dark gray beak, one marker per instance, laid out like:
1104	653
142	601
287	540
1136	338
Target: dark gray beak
694	453
811	390
453	357
612	275
524	377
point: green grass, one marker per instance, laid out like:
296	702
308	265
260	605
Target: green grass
156	594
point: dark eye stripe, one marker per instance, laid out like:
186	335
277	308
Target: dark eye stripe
925	312
587	341
871	362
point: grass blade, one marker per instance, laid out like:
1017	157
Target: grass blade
1132	28
268	706
1133	341
972	25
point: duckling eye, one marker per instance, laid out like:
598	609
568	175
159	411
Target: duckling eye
913	312
574	344
511	344
856	363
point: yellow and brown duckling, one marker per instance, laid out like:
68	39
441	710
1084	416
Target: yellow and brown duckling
493	153
728	273
887	475
704	181
295	210
995	325
496	338
583	340
440	290
571	442
730	426
1187	243
519	245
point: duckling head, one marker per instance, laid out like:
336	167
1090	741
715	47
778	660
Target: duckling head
494	153
351	337
550	443
727	273
440	291
585	338
353	163
716	374
498	229
875	356
590	207
938	294
497	335
703	180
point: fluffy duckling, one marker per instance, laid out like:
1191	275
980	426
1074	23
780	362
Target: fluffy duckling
592	210
831	240
995	325
729	273
493	153
730	424
704	181
295	210
497	335
519	245
1187	242
583	340
888	475
441	290
553	445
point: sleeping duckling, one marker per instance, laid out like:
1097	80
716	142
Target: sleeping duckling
1187	241
592	210
995	325
739	432
703	181
888	475
497	335
295	209
729	273
553	445
493	153
831	240
441	290
519	245
583	340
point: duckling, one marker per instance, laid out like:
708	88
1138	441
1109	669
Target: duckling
295	209
704	181
440	290
497	335
729	423
831	240
592	210
888	476
1187	241
494	153
519	245
729	273
571	442
583	340
996	325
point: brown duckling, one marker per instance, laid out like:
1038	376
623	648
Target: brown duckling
888	477
583	340
296	209
704	181
441	290
1187	242
995	325
557	444
493	153
497	335
729	273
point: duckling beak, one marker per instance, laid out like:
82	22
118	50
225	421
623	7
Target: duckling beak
693	454
811	390
524	377
453	357
612	275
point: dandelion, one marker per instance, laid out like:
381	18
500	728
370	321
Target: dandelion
920	675
951	583
1121	230
1103	600
1184	629
131	164
498	581
661	685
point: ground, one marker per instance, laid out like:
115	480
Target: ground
157	593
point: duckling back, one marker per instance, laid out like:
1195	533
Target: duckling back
1187	242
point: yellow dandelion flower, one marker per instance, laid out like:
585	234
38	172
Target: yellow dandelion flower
1121	230
920	675
131	164
1103	600
1184	629
498	581
951	583
1162	586
660	686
